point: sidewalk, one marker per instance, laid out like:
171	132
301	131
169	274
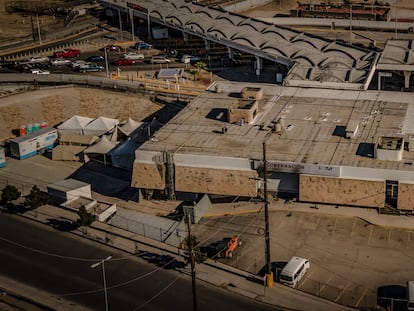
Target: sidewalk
213	272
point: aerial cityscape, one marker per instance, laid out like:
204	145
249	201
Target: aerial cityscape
190	154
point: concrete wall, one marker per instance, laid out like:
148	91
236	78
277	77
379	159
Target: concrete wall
216	181
331	190
243	5
405	196
148	176
339	23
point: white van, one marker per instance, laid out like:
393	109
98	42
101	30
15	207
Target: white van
410	294
293	272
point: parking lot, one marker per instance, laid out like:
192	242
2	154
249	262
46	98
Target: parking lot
350	258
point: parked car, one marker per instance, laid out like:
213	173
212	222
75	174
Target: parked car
223	249
28	67
124	62
78	63
95	58
60	62
89	68
39	59
67	53
143	45
37	71
133	55
190	59
159	59
113	48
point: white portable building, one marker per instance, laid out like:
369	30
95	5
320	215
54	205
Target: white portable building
69	189
34	143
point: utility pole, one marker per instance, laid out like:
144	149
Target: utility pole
192	262
350	24
33	30
269	273
396	20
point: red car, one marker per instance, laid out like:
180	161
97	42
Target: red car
67	53
124	62
111	47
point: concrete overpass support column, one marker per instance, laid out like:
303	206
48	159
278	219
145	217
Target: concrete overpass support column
407	77
258	65
149	26
230	53
131	17
207	45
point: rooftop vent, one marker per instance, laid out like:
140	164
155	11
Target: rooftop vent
390	148
252	93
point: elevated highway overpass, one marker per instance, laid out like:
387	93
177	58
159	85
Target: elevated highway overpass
312	61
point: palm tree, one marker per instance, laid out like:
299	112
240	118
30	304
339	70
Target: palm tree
198	67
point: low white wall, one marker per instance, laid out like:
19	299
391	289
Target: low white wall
243	5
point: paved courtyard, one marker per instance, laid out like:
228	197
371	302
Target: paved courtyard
350	258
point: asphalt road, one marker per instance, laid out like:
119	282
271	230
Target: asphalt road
60	264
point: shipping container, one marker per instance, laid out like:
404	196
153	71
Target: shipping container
33	143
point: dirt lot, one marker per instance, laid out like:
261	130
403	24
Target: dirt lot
55	105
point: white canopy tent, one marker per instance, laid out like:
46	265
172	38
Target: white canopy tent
100	126
103	146
129	126
75	125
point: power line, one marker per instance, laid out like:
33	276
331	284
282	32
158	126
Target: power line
54	255
159	293
120	284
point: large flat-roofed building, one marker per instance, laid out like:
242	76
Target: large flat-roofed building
325	146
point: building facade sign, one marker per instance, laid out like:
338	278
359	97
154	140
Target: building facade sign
301	168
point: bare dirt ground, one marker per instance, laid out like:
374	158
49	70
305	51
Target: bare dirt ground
17	26
56	105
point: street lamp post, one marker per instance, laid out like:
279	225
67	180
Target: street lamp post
106	61
102	262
